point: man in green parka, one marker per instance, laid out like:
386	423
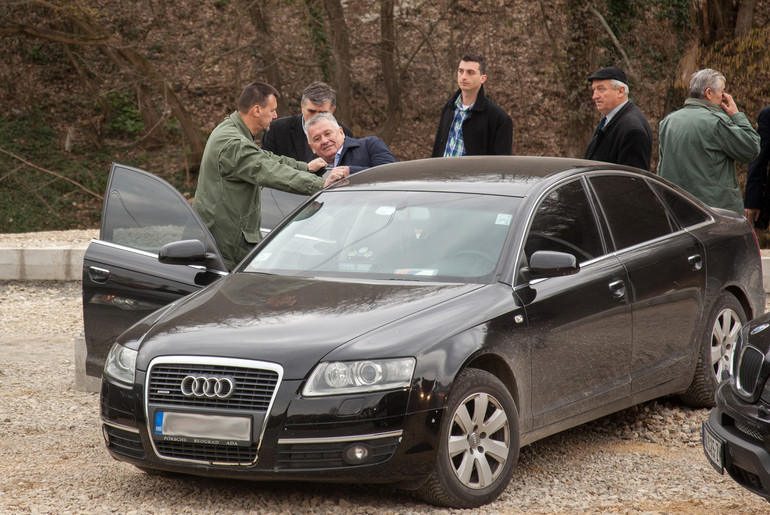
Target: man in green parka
700	143
234	168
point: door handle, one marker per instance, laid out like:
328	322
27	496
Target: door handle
696	262
98	275
618	289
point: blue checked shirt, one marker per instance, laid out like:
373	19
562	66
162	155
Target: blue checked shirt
455	146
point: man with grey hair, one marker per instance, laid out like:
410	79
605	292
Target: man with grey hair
342	153
623	135
287	136
700	143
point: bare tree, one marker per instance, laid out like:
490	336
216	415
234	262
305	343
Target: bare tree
745	18
390	71
119	52
261	21
338	30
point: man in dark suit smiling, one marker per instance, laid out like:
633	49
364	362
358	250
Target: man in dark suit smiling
287	137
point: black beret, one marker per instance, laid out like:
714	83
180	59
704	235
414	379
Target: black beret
610	72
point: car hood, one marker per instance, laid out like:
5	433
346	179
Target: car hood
286	320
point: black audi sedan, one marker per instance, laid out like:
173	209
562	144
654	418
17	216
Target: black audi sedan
736	436
416	326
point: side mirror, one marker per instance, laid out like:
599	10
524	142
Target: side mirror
185	252
549	263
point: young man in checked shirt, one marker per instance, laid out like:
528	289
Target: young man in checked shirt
471	124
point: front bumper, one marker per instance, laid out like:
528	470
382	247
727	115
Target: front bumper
303	439
736	439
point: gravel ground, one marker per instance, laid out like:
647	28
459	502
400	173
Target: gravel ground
644	460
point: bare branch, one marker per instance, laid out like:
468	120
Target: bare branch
629	68
51	172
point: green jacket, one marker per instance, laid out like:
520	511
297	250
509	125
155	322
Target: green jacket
699	145
233	170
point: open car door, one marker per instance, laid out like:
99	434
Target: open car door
123	281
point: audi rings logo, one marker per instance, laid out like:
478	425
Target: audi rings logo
210	387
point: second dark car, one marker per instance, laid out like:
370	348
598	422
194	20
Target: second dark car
736	436
418	325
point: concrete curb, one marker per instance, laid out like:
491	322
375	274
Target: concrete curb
33	264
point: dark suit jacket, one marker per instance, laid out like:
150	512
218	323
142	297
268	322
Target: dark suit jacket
363	153
757	196
286	138
625	140
487	131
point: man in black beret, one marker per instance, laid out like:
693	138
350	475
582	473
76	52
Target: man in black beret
623	135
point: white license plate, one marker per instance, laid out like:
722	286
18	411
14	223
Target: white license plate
197	428
713	446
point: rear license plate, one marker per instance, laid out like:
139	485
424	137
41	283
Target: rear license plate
713	446
202	429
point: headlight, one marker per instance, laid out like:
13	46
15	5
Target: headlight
120	364
336	377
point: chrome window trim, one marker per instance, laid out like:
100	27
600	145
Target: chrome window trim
340	439
144	253
208	360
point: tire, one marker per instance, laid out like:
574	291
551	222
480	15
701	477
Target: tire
717	345
474	466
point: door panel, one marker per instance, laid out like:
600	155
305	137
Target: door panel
667	276
579	325
668	283
580	332
123	281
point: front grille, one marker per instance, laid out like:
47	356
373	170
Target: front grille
749	367
208	453
748	430
253	387
329	455
124	442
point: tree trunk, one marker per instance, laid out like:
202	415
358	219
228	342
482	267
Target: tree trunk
261	22
320	40
390	72
745	18
580	111
341	52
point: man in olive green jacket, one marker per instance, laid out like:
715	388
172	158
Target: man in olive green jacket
700	143
233	170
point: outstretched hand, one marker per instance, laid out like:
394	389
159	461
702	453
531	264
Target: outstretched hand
337	173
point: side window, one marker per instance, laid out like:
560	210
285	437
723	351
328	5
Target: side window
633	211
565	222
685	212
144	213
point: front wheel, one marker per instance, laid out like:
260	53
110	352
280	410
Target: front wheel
717	347
479	443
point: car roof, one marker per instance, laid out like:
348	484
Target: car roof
499	175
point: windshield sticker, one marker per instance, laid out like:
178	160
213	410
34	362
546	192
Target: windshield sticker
385	210
416	271
503	219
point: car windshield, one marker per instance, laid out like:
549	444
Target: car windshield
431	236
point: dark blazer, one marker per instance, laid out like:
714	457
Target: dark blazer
625	140
757	196
362	153
286	138
487	131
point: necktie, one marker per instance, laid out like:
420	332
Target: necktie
602	122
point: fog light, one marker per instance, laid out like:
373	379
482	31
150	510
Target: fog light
106	435
357	453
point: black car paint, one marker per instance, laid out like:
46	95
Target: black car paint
507	327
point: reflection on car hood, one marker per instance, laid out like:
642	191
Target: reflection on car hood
287	320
